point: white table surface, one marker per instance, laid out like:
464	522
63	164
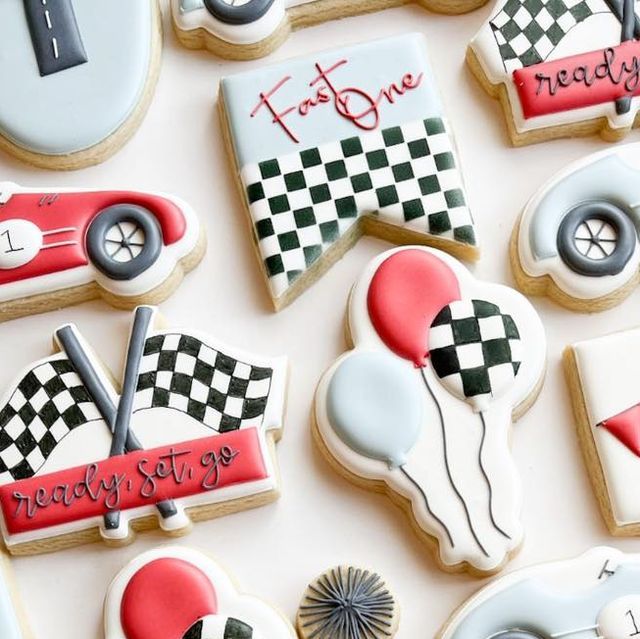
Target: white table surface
321	520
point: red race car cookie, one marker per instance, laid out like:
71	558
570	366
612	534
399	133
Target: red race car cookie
66	246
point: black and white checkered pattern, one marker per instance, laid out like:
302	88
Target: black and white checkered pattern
302	203
47	404
181	372
475	349
527	31
217	627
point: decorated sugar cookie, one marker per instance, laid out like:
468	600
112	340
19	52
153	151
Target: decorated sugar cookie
601	374
348	603
64	246
561	67
185	433
595	595
577	239
246	29
93	67
12	622
342	143
423	404
180	593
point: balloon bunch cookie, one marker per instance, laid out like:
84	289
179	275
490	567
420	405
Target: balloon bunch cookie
422	406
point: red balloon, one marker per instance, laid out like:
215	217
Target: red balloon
406	293
165	598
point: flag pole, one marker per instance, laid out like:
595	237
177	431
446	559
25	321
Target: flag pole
68	339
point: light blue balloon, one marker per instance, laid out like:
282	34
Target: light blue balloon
374	405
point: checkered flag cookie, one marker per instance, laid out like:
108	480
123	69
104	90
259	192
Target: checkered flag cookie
46	405
217	627
475	349
527	31
303	202
181	372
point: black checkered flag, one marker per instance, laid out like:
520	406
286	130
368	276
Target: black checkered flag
182	372
304	202
527	31
475	350
44	407
217	627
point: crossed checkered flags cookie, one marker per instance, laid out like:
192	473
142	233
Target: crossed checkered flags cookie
528	31
172	370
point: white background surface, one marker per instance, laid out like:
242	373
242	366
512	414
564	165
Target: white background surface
321	520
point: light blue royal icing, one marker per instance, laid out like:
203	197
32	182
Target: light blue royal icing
8	619
371	66
530	605
190	5
610	179
375	406
77	108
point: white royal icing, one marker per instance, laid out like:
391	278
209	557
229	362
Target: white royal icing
612	182
266	621
608	368
462	424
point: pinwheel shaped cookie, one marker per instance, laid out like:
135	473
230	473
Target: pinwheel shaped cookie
423	404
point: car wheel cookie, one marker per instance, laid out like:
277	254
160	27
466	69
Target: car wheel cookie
65	246
577	239
93	67
600	374
179	593
338	144
187	433
254	28
561	68
449	361
593	595
348	603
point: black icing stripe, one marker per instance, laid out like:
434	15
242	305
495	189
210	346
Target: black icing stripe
55	35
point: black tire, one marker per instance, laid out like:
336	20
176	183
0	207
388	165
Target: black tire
243	14
612	255
102	251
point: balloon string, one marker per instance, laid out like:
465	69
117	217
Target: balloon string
486	477
448	468
426	503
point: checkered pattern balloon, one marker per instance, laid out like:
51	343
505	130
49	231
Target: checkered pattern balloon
475	350
216	627
47	404
527	31
181	372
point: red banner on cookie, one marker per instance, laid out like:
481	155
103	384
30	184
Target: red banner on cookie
140	478
579	81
